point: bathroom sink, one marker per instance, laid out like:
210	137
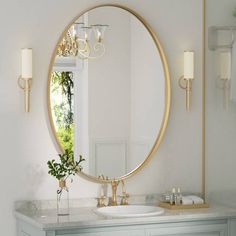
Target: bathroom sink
129	211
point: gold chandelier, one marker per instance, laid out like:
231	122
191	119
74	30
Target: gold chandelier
83	46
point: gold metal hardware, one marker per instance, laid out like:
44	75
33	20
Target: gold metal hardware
124	199
226	94
186	84
26	86
101	201
224	84
125	195
203	96
72	45
114	184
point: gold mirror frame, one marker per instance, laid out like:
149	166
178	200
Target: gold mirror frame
167	92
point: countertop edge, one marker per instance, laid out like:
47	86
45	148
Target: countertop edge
119	222
28	219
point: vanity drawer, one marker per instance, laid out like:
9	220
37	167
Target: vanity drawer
111	233
190	230
232	227
25	229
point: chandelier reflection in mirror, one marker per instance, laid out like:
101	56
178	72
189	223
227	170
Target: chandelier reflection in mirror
78	41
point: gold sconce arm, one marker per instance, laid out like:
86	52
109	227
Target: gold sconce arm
25	84
224	85
186	84
226	94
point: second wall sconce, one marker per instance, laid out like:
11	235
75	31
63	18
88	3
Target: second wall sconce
225	75
25	79
185	81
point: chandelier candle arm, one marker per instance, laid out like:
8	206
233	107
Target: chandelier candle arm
74	45
99	31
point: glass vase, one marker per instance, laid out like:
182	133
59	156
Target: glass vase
62	199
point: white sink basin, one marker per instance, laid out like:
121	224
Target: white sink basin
129	211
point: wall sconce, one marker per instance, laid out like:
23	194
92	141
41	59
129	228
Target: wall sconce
25	79
185	81
225	75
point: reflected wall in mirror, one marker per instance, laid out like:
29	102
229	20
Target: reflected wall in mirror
109	91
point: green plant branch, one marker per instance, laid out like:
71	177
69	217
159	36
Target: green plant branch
66	167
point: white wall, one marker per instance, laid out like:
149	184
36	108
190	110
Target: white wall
220	124
26	144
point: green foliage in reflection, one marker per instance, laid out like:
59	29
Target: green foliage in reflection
66	137
62	82
62	92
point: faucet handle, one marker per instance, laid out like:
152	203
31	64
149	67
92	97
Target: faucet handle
101	201
125	195
124	199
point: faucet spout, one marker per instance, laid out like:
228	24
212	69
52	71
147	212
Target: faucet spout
114	184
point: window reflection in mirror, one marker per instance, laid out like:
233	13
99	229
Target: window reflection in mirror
62	103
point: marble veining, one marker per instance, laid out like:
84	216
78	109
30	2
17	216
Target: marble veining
81	202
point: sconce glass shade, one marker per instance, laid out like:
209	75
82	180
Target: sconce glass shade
188	65
73	31
225	65
26	63
86	32
99	31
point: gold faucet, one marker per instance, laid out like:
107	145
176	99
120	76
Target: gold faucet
101	201
114	184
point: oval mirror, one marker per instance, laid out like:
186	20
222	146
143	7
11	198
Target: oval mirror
109	91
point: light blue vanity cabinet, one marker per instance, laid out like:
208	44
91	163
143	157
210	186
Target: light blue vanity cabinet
232	227
212	228
214	221
104	232
27	229
178	224
217	228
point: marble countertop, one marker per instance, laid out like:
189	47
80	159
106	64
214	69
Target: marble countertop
85	217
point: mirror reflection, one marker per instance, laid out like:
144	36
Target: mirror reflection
107	91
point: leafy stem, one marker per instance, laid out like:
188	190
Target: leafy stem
66	167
